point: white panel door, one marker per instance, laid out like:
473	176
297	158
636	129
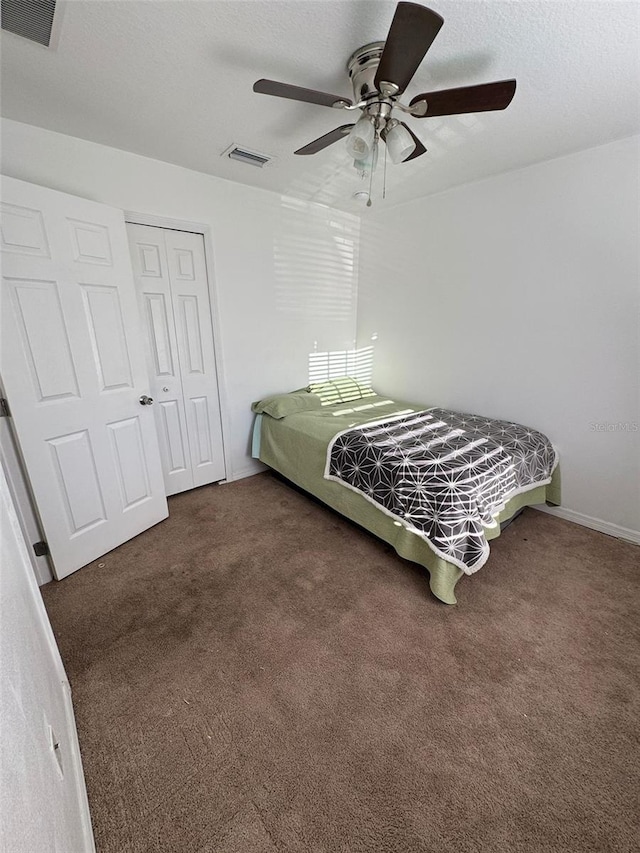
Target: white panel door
72	363
192	311
151	274
171	277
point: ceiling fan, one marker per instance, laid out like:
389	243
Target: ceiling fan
380	72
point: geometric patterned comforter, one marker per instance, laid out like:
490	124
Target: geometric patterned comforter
444	475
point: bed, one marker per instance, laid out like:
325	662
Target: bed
299	433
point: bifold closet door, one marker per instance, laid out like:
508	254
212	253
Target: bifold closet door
171	278
73	368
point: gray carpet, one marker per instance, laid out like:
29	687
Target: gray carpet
256	674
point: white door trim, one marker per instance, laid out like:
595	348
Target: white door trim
14	469
206	231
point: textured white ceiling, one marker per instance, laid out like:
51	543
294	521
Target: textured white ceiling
171	79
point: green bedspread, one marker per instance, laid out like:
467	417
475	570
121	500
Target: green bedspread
296	447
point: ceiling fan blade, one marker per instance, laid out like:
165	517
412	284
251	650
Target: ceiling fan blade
412	32
298	93
467	99
419	149
323	141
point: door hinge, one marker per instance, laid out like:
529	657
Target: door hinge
5	412
41	549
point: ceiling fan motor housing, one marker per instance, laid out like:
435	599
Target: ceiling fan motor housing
362	67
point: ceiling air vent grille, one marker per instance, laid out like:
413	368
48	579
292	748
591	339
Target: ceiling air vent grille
31	19
243	155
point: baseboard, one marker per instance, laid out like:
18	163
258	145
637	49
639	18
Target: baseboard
77	770
594	523
249	471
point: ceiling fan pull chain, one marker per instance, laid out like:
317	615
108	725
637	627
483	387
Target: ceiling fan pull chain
384	175
372	169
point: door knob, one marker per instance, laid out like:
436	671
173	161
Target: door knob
146	401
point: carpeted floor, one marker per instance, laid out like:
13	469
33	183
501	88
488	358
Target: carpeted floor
256	674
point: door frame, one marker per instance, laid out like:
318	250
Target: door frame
21	493
134	218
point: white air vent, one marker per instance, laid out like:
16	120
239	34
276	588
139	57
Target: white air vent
29	19
244	155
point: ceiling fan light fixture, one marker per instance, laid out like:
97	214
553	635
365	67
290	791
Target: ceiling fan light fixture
367	164
360	140
400	143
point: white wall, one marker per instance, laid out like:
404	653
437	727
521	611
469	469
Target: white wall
519	297
285	271
43	804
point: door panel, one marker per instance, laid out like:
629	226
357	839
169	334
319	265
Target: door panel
73	366
194	333
185	270
192	357
202	454
148	255
23	231
106	327
151	274
91	243
45	341
159	335
75	466
174	435
133	473
171	277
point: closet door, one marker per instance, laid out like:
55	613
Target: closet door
194	333
151	275
171	277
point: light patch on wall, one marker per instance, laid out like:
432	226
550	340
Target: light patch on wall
357	363
316	260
